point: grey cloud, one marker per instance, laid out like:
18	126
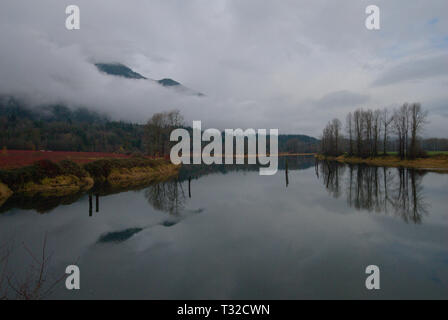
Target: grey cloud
342	98
290	59
417	69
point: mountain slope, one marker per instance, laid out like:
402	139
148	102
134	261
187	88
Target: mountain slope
120	70
168	83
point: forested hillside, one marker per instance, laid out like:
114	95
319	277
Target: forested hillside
59	128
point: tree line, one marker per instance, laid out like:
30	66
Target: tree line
60	128
369	133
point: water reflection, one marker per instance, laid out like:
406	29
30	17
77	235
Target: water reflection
273	242
38	203
286	163
167	196
119	236
382	190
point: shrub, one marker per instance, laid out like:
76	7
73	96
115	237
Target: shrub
15	178
102	168
71	168
46	169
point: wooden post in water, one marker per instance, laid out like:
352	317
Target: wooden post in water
90	205
97	198
189	187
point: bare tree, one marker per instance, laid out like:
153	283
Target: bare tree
376	117
358	120
386	120
331	138
366	128
417	121
337	133
401	127
349	129
35	285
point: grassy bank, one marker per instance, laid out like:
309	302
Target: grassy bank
48	178
130	172
436	162
5	193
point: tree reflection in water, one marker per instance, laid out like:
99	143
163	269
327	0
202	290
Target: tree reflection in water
167	196
382	190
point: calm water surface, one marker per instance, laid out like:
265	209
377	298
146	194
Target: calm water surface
237	235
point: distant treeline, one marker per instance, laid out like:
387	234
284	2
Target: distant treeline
369	133
157	132
60	128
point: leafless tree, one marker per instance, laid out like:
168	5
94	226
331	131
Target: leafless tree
337	133
386	120
417	121
401	127
358	120
365	128
350	133
331	138
35	285
376	126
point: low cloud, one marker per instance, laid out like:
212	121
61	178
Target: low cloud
291	65
414	70
342	99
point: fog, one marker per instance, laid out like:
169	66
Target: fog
291	65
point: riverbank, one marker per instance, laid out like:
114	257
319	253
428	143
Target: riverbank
437	162
5	193
50	179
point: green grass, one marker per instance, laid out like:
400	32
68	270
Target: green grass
437	153
429	153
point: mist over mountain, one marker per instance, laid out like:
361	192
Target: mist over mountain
290	71
120	70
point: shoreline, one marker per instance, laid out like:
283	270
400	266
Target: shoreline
49	179
5	193
437	163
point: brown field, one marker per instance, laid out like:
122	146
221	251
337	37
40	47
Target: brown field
10	159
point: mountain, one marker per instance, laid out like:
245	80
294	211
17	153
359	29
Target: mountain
117	69
168	83
120	70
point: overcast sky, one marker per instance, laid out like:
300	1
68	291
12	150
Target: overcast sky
286	64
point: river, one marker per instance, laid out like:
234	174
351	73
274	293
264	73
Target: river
225	232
